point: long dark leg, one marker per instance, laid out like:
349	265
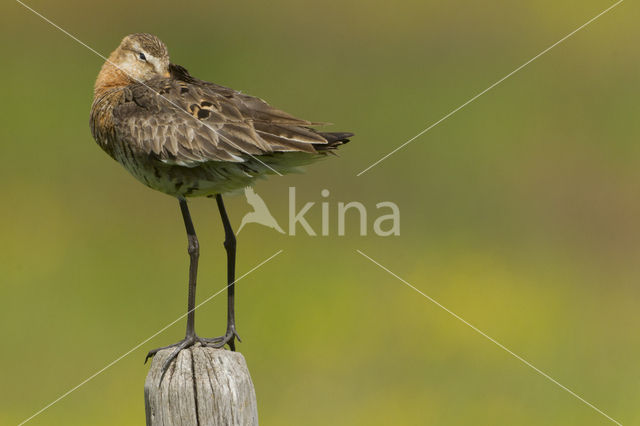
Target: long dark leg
230	247
194	254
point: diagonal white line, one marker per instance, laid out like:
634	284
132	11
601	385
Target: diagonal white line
178	107
490	87
85	381
500	345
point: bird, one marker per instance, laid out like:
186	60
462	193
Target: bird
260	213
187	137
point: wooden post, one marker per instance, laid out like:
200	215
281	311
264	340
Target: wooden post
203	386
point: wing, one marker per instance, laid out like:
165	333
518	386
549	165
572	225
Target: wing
185	121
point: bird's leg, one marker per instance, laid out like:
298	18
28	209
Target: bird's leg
194	254
230	246
193	249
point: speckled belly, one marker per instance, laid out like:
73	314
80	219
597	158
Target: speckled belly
210	178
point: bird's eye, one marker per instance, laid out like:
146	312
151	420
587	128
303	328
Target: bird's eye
142	57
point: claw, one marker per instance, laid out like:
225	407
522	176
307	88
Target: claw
152	352
215	342
227	339
182	345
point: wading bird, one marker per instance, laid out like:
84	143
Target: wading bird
187	137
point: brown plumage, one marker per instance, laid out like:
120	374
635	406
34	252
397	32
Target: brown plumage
185	136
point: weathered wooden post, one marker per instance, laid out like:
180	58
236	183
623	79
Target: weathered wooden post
203	386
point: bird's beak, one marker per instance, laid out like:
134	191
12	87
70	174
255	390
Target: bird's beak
166	74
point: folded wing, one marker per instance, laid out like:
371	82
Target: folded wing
185	121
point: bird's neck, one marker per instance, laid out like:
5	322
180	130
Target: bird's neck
110	77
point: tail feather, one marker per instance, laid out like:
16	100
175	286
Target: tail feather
334	139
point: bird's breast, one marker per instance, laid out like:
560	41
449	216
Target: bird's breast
102	120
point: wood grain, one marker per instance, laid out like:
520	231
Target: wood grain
204	386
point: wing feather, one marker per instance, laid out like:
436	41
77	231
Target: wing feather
186	121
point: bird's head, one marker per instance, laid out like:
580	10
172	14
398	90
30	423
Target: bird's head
139	58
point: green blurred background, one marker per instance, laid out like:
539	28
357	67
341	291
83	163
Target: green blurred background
521	213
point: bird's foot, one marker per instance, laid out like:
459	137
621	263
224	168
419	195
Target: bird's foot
228	339
183	344
215	342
